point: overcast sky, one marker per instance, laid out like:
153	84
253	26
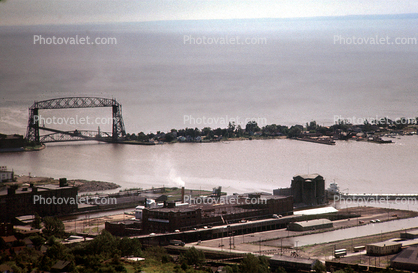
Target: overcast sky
34	12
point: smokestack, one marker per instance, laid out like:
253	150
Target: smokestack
182	194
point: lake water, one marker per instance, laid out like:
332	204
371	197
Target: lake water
237	166
299	75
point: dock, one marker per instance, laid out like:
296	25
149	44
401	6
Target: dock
367	197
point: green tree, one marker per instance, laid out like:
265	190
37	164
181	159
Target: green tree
193	257
105	244
129	246
191	132
218	132
319	267
294	131
37	240
36	222
231	129
27	258
253	264
252	126
312	126
58	252
206	131
280	270
142	137
239	132
367	126
232	268
155	252
169	137
53	226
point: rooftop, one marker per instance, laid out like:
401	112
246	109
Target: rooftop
409	255
315	222
225	205
40	188
175	209
60	264
308	176
413	232
27	219
297	260
316	211
9	239
53	187
385	243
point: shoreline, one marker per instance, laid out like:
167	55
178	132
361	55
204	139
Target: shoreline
312	133
142	143
24	149
82	184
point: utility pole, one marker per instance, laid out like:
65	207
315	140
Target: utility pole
230	243
222	238
281	245
259	246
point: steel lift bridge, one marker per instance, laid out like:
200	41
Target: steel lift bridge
118	128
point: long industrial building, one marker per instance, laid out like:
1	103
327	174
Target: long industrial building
17	201
170	219
383	248
292	264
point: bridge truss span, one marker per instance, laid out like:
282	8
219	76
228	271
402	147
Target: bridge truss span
76	135
118	127
74	102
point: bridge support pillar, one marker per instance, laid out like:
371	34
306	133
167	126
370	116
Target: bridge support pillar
32	133
115	110
118	128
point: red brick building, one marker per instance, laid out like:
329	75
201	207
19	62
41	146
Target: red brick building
21	201
160	220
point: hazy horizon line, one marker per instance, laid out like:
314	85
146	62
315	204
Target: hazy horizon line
327	17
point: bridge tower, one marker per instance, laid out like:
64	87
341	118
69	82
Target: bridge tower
32	133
